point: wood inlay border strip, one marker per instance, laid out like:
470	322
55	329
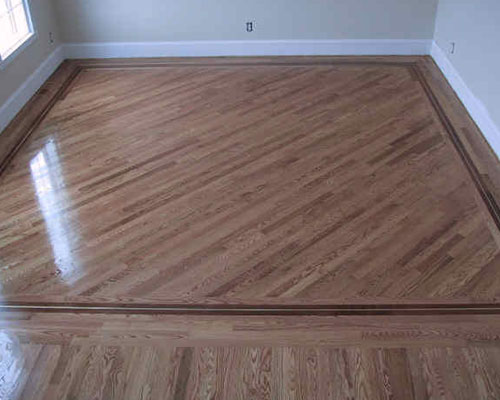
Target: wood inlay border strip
60	93
271	310
414	69
482	188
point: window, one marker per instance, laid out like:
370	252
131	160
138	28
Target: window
15	26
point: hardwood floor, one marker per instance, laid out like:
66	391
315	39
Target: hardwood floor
320	227
165	372
245	183
69	356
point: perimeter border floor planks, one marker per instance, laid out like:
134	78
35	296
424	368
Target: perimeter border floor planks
470	146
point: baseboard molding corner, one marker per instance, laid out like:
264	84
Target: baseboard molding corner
21	96
474	106
247	48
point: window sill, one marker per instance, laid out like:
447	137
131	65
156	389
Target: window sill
29	40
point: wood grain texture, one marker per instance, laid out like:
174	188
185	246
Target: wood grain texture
164	372
209	331
78	356
251	182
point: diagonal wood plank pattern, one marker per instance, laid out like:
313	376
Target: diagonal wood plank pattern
245	184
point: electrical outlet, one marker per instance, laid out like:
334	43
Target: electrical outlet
51	38
250	26
453	47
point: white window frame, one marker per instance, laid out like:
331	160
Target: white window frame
29	39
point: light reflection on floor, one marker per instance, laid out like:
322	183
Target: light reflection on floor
11	366
48	180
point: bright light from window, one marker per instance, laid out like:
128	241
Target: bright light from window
15	26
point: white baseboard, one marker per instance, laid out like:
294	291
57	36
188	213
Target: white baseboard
476	108
247	48
21	96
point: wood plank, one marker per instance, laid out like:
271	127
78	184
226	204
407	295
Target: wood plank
166	372
209	331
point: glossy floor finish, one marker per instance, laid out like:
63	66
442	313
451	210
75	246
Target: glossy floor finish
244	184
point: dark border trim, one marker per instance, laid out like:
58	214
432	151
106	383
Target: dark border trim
263	310
482	188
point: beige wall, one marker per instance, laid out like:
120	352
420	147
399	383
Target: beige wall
171	20
25	63
174	20
474	25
